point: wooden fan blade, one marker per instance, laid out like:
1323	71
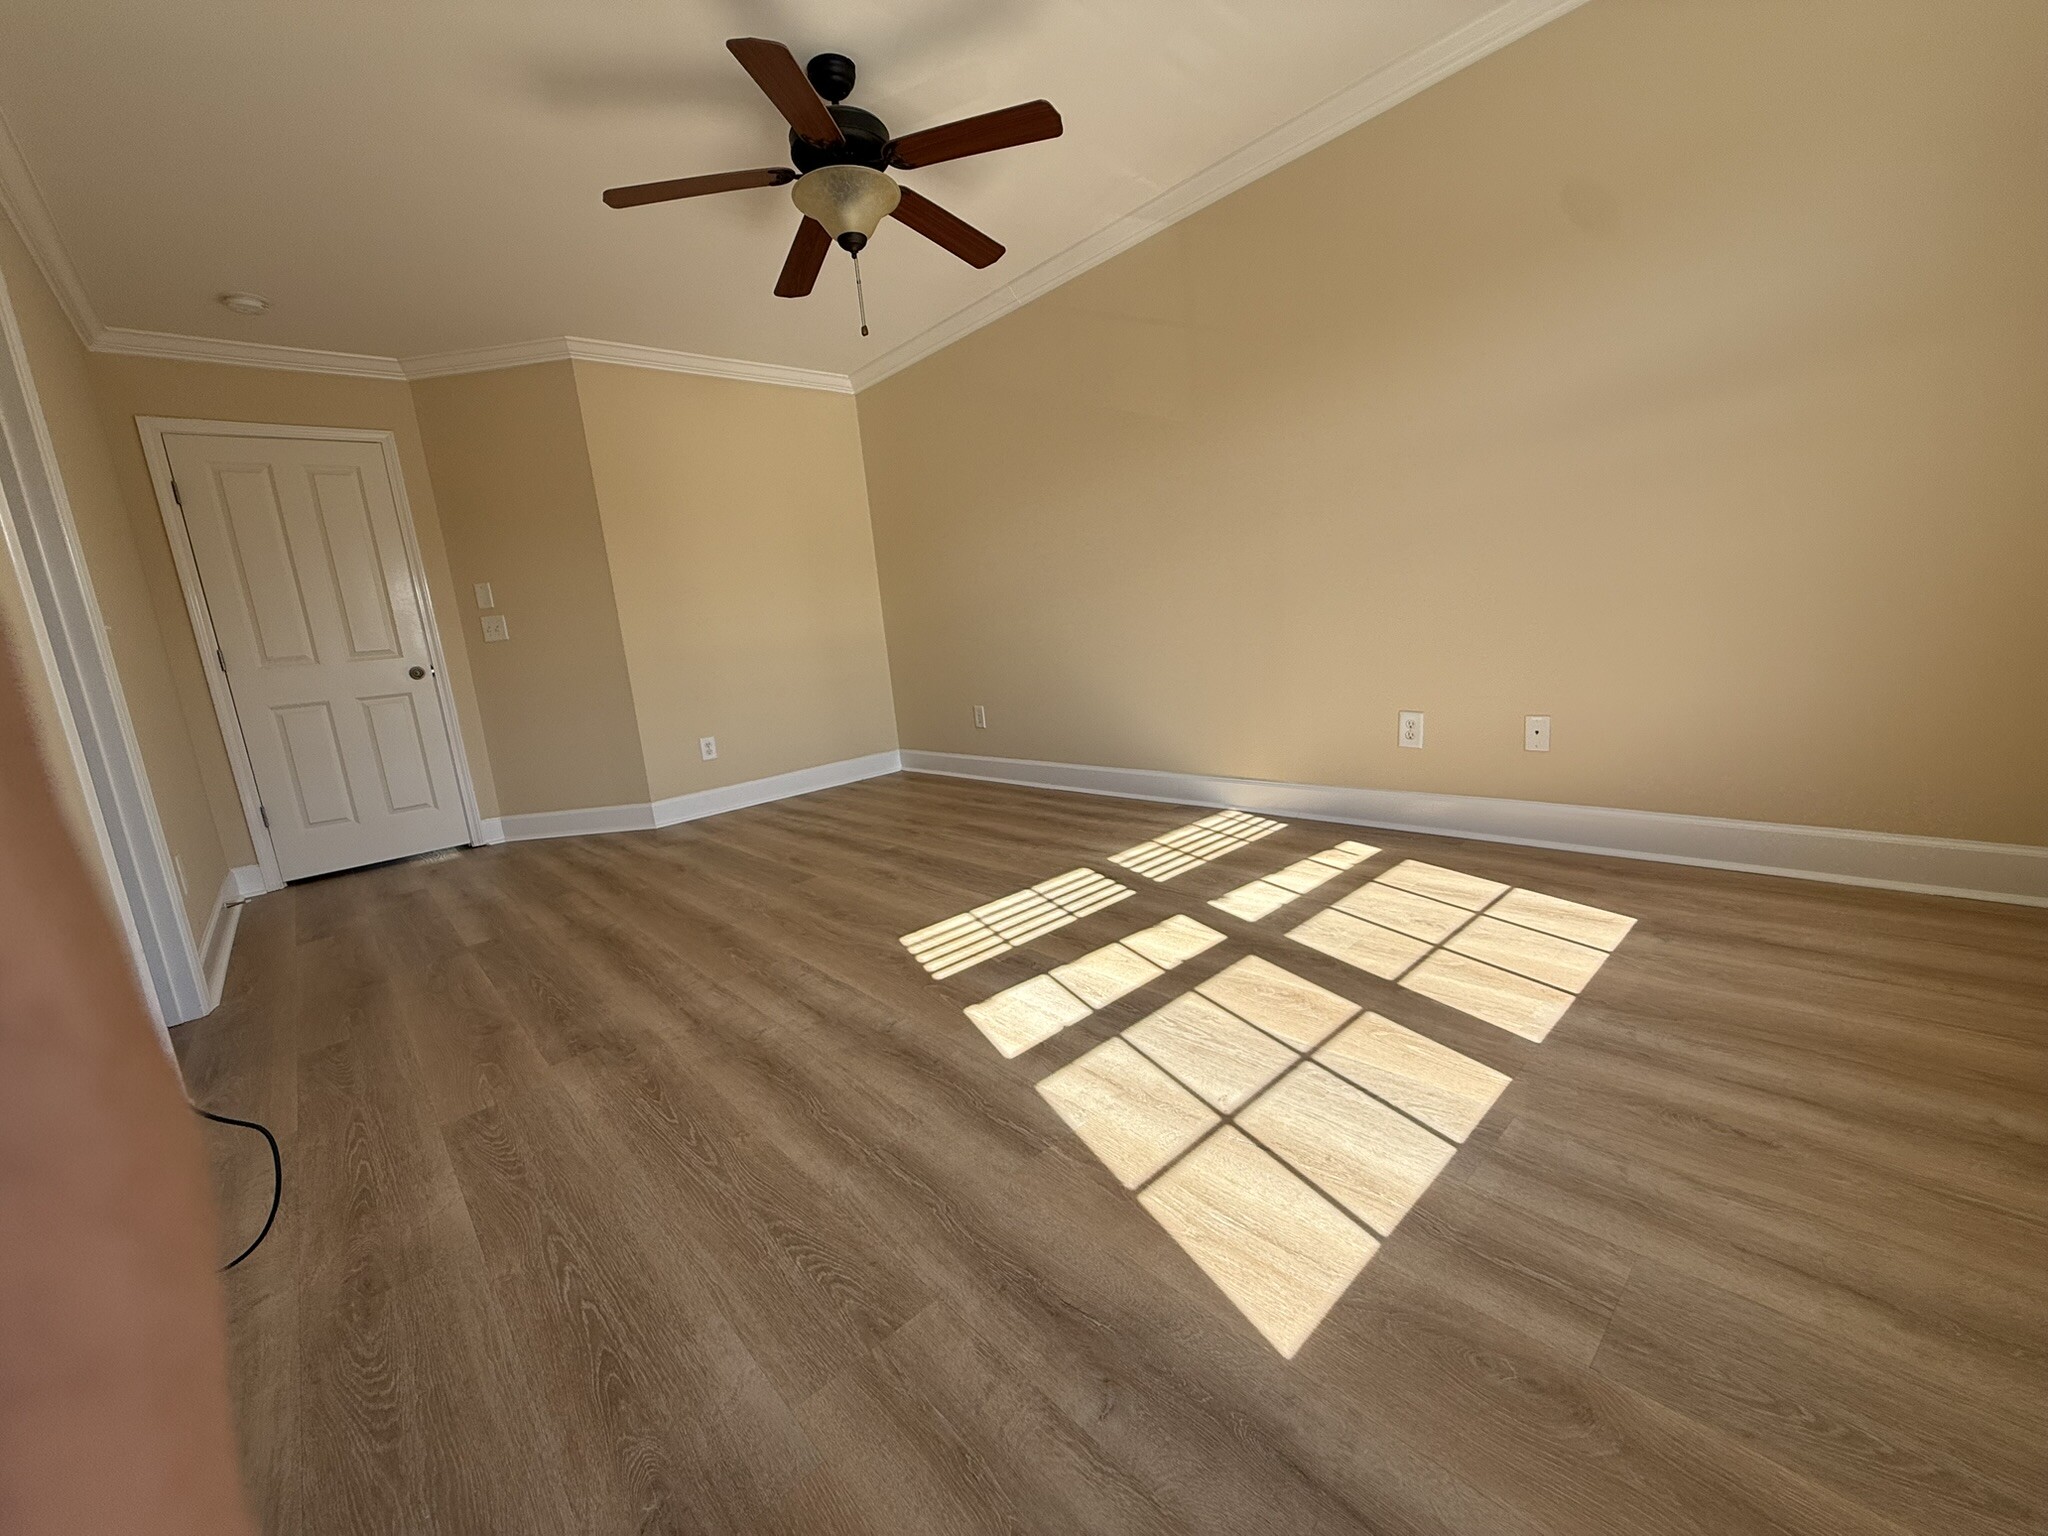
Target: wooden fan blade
697	186
1025	124
782	81
806	256
943	228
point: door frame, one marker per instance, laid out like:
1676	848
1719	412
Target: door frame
68	640
154	429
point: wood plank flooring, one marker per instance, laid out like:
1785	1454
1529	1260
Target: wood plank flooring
649	1184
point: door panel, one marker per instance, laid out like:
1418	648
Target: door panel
262	573
320	624
312	757
401	752
356	565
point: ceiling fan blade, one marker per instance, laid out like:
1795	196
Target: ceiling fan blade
1025	124
782	81
696	186
943	228
806	256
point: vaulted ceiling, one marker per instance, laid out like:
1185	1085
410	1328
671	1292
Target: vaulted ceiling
418	178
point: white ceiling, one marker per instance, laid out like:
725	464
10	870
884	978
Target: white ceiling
422	177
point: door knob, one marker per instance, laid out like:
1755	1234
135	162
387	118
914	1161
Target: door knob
415	673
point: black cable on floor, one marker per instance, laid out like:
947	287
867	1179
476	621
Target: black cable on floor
277	1182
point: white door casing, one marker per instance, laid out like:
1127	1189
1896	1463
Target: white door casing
65	634
303	579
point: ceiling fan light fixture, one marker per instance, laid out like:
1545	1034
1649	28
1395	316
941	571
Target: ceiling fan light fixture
849	200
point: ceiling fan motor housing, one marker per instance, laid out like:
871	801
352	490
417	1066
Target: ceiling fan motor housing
866	142
866	135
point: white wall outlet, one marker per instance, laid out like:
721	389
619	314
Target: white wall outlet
707	747
495	627
1411	728
483	595
980	717
1536	733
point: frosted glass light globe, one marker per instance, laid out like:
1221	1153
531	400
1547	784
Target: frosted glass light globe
849	200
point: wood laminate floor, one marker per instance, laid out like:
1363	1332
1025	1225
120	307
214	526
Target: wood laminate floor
651	1183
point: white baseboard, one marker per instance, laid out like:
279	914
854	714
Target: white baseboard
781	786
2009	872
690	807
218	942
578	823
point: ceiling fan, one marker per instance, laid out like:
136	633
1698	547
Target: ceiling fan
842	156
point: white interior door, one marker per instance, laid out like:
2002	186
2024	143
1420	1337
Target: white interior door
324	643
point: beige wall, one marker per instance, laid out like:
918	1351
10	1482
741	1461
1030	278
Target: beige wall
1680	372
513	480
735	517
58	366
128	387
742	574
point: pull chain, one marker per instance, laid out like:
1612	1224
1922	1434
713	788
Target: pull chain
860	297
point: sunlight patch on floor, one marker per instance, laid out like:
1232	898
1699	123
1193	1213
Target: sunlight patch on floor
1199	842
1268	894
1216	1053
1275	1131
949	947
1445	1089
1281	1252
1031	1012
1131	1114
1511	957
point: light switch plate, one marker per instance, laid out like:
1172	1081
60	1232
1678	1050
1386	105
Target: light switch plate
483	595
1411	728
495	627
980	717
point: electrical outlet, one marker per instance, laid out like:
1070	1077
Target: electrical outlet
1535	733
980	717
1411	728
495	627
483	595
707	747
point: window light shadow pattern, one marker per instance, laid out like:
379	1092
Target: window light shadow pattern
1197	843
1275	1131
1511	957
1032	1012
1268	894
950	947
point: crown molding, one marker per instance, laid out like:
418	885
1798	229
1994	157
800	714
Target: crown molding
242	354
511	354
626	355
518	354
1386	87
22	202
